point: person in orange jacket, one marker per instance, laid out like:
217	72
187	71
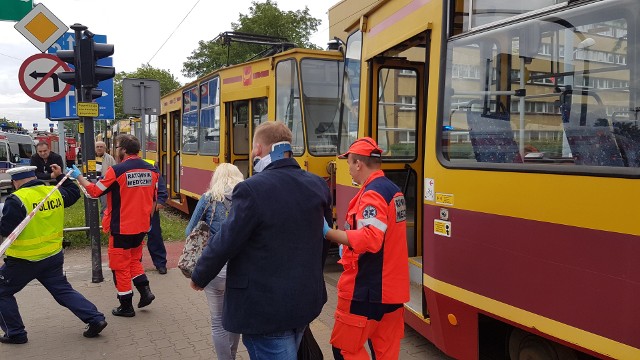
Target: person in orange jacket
375	281
132	189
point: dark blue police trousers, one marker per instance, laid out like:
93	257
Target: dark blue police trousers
155	244
15	274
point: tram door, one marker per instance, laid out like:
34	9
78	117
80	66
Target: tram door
238	144
397	111
174	154
162	151
242	117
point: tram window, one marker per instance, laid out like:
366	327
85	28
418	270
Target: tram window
397	113
190	120
487	11
288	108
579	106
209	134
321	87
240	116
259	111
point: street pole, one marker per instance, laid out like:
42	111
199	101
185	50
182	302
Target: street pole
83	94
61	143
143	121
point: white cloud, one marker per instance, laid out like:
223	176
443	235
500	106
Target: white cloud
137	28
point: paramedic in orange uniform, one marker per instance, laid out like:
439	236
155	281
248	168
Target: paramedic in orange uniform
131	188
375	281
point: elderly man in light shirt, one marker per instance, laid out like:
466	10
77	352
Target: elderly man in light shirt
103	162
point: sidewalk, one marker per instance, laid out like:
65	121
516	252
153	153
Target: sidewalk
175	326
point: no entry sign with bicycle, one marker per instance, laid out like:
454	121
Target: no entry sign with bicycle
38	77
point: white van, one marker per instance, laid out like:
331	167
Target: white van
15	150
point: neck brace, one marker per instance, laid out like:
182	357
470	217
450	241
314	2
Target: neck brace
277	153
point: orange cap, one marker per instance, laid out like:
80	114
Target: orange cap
365	146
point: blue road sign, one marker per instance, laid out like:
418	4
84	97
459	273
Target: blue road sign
65	108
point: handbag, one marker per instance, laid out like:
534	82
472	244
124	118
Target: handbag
194	244
309	348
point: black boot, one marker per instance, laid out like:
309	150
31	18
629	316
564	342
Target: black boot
146	296
126	306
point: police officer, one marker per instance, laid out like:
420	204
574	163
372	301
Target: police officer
375	281
37	252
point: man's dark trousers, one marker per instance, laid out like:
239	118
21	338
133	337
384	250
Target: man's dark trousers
15	274
155	244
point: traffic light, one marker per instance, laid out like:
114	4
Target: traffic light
84	58
90	72
69	77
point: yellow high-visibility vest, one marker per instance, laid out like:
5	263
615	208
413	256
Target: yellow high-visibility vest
43	235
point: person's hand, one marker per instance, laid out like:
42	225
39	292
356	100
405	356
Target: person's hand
75	172
159	207
56	171
325	229
195	287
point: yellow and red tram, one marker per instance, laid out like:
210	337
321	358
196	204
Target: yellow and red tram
211	120
514	132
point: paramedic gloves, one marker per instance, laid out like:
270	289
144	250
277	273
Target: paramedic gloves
75	172
325	229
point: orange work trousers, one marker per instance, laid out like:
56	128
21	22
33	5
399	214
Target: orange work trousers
351	332
125	264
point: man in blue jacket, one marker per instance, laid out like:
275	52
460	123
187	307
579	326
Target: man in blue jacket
275	253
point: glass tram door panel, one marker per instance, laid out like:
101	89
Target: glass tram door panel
239	135
398	131
162	121
174	151
259	114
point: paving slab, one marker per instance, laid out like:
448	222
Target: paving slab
174	326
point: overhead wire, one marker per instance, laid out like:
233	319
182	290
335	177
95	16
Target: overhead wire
198	1
173	32
9	56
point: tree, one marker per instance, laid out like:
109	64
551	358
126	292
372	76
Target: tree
168	83
263	19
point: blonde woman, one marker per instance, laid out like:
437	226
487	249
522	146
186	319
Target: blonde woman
213	207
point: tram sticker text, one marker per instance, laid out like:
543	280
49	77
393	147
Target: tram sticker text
442	228
444	199
429	189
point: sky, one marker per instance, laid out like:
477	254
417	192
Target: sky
137	29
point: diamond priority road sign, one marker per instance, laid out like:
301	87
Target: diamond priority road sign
41	27
38	77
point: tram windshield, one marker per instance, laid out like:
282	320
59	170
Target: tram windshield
321	84
561	89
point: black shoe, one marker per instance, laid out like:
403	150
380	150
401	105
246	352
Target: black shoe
162	270
146	296
94	329
13	340
123	311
